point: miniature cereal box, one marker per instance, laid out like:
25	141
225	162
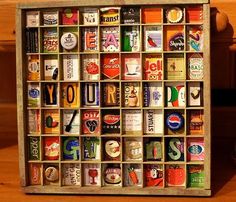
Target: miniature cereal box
50	40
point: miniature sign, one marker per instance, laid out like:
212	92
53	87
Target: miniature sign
196	122
111	121
32	18
90	122
70	96
130	15
112	149
153	150
50	94
133	149
175	95
90	16
131	39
34	121
131	67
131	94
69	16
195	38
50	40
133	175
174	39
111	92
109	15
35	170
195	67
195	94
34	148
196	176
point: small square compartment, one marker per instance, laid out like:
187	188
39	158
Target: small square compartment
33	71
50	94
195	94
175	94
195	38
51	148
151	15
90	122
195	122
90	148
69	16
152	94
51	121
50	67
174	14
111	94
90	94
194	14
132	149
91	174
195	66
89	16
153	175
90	67
34	95
110	66
89	39
130	15
111	147
50	41
175	149
111	121
70	148
69	39
153	149
71	121
132	175
175	175
130	38
51	174
153	39
131	94
112	175
71	174
195	149
35	174
70	95
34	121
196	176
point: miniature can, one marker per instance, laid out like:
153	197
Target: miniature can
90	94
34	148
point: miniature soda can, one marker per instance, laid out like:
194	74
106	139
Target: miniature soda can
175	149
71	174
111	94
71	148
90	122
51	173
35	174
34	148
51	148
174	121
33	95
91	94
50	94
112	175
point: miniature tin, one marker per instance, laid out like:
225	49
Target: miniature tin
91	148
196	176
133	149
112	149
175	149
50	69
132	121
33	95
112	175
50	94
131	67
195	149
153	69
34	121
51	174
32	18
175	175
131	94
51	122
68	41
174	15
71	122
130	15
152	38
111	121
70	67
153	175
195	94
50	40
131	39
51	148
90	16
90	94
153	122
69	16
153	95
111	93
110	41
109	15
50	18
71	148
35	174
34	148
90	67
69	95
110	66
89	39
90	122
33	68
195	67
153	150
70	174
175	95
92	175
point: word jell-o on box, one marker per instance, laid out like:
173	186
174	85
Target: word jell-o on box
90	67
153	38
110	39
33	68
110	66
195	94
153	121
50	69
152	95
50	18
92	175
70	68
71	174
153	67
131	39
90	39
90	16
71	122
69	16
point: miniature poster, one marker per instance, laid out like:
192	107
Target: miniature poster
50	40
33	95
131	67
50	69
175	95
90	67
110	39
195	38
33	68
153	121
89	39
153	95
90	16
90	122
175	69
70	174
131	39
51	122
153	69
71	122
70	68
195	149
69	95
132	121
110	66
92	175
152	38
131	94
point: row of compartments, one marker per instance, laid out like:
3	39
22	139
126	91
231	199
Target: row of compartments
115	94
115	15
116	149
147	122
115	39
117	175
114	66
